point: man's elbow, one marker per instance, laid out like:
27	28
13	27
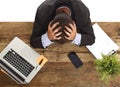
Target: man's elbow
32	44
36	43
92	41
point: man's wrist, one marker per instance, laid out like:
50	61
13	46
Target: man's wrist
77	39
45	40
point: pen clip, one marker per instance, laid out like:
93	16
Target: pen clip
112	52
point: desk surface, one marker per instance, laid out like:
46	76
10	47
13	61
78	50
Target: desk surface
59	72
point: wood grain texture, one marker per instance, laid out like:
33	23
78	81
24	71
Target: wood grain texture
59	72
63	75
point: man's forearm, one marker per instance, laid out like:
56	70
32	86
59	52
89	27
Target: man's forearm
45	40
77	39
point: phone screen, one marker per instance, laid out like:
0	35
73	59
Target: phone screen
75	60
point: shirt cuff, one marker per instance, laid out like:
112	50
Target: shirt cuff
77	39
45	40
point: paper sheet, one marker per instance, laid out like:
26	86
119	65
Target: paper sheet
103	43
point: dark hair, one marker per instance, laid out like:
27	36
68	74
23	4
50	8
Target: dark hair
64	20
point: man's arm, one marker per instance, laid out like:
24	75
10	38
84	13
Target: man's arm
83	22
84	37
35	39
39	37
40	24
87	33
77	39
51	35
45	40
43	37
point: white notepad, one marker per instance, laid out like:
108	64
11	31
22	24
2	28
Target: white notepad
103	43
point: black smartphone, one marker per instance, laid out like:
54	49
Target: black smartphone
75	60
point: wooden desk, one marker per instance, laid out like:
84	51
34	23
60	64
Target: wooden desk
58	72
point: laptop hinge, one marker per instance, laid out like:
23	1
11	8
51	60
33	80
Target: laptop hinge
6	67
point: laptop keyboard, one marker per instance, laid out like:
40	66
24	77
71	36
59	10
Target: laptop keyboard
18	62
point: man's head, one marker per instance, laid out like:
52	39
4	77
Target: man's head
64	19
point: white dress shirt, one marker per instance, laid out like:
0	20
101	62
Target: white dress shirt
46	42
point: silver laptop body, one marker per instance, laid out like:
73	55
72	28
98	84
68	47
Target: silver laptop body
23	68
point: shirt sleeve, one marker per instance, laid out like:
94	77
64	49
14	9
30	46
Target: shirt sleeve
45	40
77	39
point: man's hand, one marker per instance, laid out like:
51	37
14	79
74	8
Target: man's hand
52	32
70	31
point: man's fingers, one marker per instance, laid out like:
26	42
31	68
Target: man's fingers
68	29
54	25
58	34
56	30
58	38
67	33
67	38
73	26
49	24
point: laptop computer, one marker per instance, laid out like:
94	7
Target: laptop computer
21	62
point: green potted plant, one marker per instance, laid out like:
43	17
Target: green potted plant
108	67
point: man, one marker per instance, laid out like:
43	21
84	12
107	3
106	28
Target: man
61	22
79	32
